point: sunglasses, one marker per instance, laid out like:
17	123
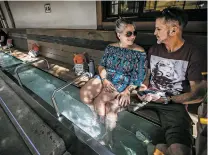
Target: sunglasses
129	33
168	12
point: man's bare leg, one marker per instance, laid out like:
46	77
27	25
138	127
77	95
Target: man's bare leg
178	149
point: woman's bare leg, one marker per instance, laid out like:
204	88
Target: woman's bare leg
101	100
112	108
90	90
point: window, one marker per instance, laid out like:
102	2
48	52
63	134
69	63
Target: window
148	10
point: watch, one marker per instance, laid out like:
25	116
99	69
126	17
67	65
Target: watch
102	79
167	99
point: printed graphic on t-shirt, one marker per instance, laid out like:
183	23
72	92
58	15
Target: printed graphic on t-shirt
167	74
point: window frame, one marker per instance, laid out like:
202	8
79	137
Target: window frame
194	15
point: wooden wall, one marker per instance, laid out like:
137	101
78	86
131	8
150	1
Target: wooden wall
19	38
61	45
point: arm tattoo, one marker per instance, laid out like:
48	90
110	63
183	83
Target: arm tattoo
194	93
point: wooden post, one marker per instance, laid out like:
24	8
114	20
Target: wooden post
4	19
99	15
9	13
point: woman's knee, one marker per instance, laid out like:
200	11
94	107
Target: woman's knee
85	96
99	102
112	106
99	107
90	90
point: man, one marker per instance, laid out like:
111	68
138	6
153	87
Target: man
3	38
174	68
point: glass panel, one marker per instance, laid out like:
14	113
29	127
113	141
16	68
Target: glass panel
125	7
126	137
160	5
7	60
40	82
114	8
129	7
196	5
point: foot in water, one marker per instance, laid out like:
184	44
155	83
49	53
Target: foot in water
142	137
146	141
107	138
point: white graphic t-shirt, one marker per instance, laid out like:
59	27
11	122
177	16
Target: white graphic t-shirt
171	72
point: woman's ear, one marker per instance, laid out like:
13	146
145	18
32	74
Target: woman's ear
118	35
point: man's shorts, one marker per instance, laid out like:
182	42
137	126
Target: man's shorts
175	121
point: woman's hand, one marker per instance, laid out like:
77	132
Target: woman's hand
124	98
143	87
108	86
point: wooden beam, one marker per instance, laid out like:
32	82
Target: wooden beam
2	13
9	13
99	15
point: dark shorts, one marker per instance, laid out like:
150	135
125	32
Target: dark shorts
175	121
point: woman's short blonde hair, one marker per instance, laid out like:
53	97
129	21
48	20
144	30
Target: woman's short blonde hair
121	24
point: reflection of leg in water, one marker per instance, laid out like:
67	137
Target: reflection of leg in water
112	108
146	141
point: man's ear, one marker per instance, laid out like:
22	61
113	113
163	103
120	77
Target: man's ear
173	31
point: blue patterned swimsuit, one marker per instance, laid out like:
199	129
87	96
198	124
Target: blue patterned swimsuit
124	66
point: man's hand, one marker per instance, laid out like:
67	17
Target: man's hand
150	97
124	98
108	86
160	100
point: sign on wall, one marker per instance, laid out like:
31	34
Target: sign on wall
47	8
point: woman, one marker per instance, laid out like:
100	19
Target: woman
121	70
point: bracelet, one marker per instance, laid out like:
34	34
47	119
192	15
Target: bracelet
166	100
131	88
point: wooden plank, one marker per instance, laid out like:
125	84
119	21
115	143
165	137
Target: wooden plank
65	53
63	50
56	57
20	43
18	35
17	30
85	43
82	34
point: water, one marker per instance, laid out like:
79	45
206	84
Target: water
7	60
71	107
122	140
77	112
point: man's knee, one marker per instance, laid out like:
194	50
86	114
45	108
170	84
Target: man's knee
179	149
